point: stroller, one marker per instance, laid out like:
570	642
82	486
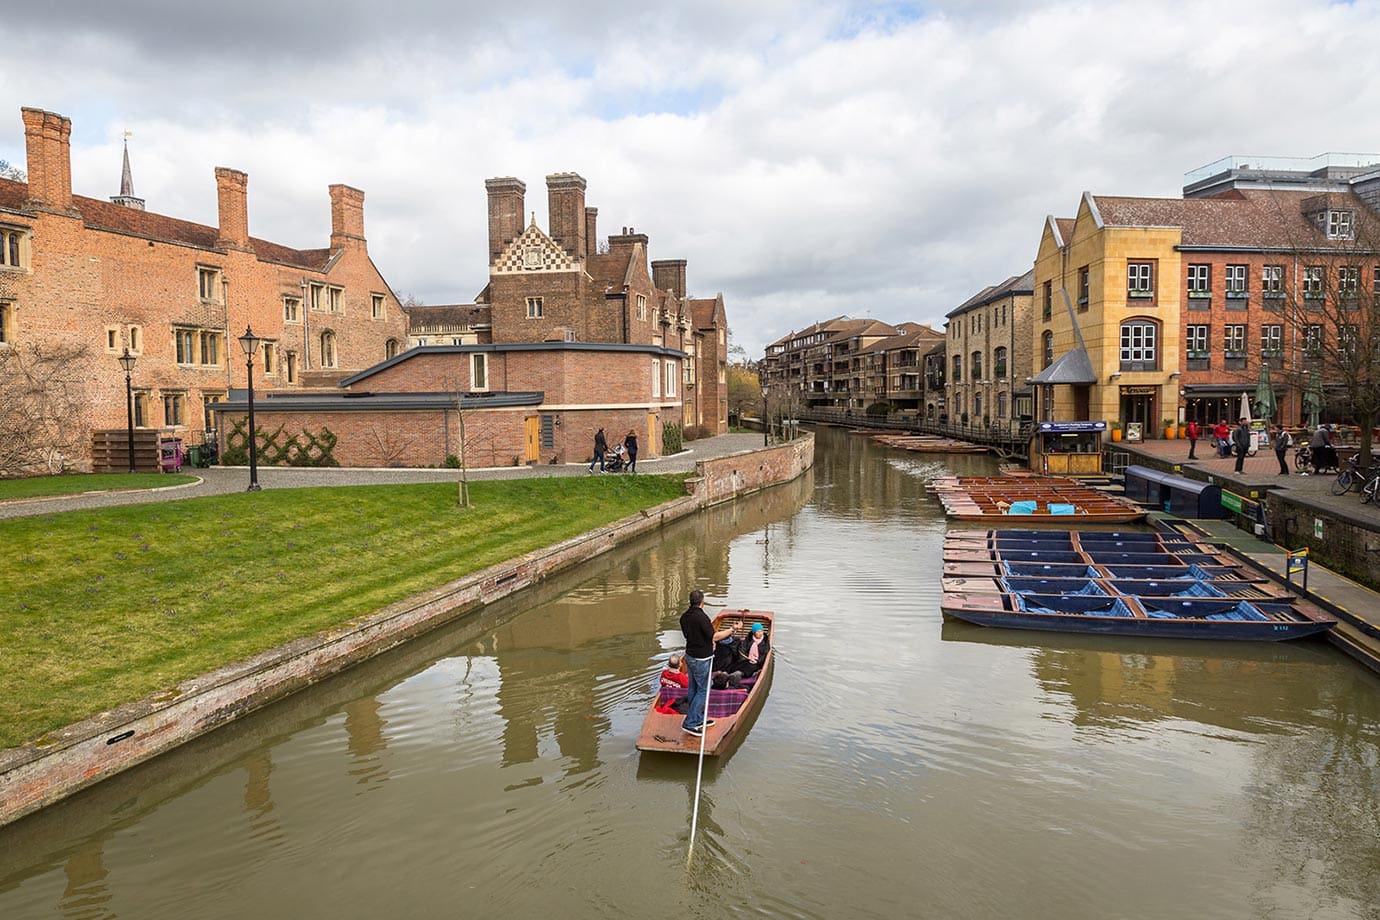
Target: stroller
615	460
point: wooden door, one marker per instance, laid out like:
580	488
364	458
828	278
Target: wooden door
652	450
533	452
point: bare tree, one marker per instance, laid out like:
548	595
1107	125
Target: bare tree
8	171
42	400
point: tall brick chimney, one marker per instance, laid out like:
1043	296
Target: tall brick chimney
48	145
591	231
669	275
347	217
505	212
232	201
565	207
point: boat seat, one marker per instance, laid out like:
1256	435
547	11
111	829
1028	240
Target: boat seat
722	703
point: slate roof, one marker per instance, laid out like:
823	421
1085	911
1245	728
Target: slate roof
1072	367
1012	286
447	314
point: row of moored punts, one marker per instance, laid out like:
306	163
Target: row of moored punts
1030	498
1115	583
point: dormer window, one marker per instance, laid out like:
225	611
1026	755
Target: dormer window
1340	224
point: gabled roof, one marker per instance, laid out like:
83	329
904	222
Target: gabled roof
706	312
550	256
1011	287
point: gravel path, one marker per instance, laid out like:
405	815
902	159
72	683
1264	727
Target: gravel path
224	480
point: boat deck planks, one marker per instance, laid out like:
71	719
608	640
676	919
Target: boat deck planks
977	498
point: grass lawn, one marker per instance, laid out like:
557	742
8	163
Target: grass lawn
77	483
108	606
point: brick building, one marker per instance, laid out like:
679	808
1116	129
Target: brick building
1156	310
103	276
567	336
989	352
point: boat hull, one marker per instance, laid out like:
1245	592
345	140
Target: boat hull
1134	626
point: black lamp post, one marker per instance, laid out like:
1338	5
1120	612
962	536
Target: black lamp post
250	343
766	425
127	362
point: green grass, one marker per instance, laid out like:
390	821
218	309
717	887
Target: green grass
77	483
104	607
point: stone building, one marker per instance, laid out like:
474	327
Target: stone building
105	276
989	354
567	337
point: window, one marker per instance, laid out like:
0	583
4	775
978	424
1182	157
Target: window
1339	225
185	340
207	401
671	375
534	308
328	349
208	284
290	366
376	306
641	306
13	247
6	334
210	348
958	368
1236	282
977	406
1138	346
1313	282
976	367
1196	340
1375	284
316	300
1001	405
1272	281
656	378
292	310
999	363
270	358
1047	348
1140	280
172	409
1083	287
1272	340
136	339
334	296
390	349
141	408
1347	337
1200	281
479	372
1312	339
1047	300
1234	340
1349	281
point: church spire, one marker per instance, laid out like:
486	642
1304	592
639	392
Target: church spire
126	197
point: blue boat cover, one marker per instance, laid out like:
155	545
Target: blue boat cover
1051	586
1078	605
1031	569
1166	609
1061	508
1023	506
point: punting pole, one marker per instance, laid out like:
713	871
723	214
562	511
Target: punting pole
699	769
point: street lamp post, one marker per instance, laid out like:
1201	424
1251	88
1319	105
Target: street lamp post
127	362
766	425
250	343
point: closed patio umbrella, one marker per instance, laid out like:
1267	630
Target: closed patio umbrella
1313	398
1265	394
1245	405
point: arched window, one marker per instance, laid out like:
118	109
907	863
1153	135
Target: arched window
999	363
1140	345
1047	348
390	349
328	349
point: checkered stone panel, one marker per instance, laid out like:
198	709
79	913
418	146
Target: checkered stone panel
533	251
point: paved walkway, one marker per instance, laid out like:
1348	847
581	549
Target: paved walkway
224	480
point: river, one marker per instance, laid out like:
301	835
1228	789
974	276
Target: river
901	766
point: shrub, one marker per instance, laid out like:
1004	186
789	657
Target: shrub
452	462
879	408
671	438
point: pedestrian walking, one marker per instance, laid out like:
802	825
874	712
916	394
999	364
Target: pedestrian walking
1241	440
601	447
1283	442
630	442
1221	434
1192	439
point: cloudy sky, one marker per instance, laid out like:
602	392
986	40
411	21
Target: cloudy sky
810	159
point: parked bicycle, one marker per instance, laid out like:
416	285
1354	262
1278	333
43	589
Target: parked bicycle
1303	460
1353	477
1372	486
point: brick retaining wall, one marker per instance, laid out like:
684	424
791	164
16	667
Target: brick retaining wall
37	775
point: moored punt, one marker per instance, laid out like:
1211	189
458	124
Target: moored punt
929	444
1030	498
731	709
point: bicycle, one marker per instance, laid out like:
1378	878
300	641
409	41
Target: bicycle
1303	460
1372	486
1350	477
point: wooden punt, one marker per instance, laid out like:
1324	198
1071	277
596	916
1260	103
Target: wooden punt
732	710
929	444
1017	499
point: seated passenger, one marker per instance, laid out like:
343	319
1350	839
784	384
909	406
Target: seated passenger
675	674
725	655
752	650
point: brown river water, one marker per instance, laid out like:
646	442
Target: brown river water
901	766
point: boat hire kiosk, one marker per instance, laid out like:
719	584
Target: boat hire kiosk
1064	448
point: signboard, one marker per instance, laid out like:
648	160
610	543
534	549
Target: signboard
1139	391
1231	501
1296	563
1133	431
1075	427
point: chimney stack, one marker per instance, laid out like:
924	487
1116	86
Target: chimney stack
565	209
48	145
591	233
232	201
505	212
347	217
669	275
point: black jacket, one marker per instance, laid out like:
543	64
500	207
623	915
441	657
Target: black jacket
630	442
1241	437
600	444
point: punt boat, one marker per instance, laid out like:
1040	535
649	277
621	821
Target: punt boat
732	709
1016	499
